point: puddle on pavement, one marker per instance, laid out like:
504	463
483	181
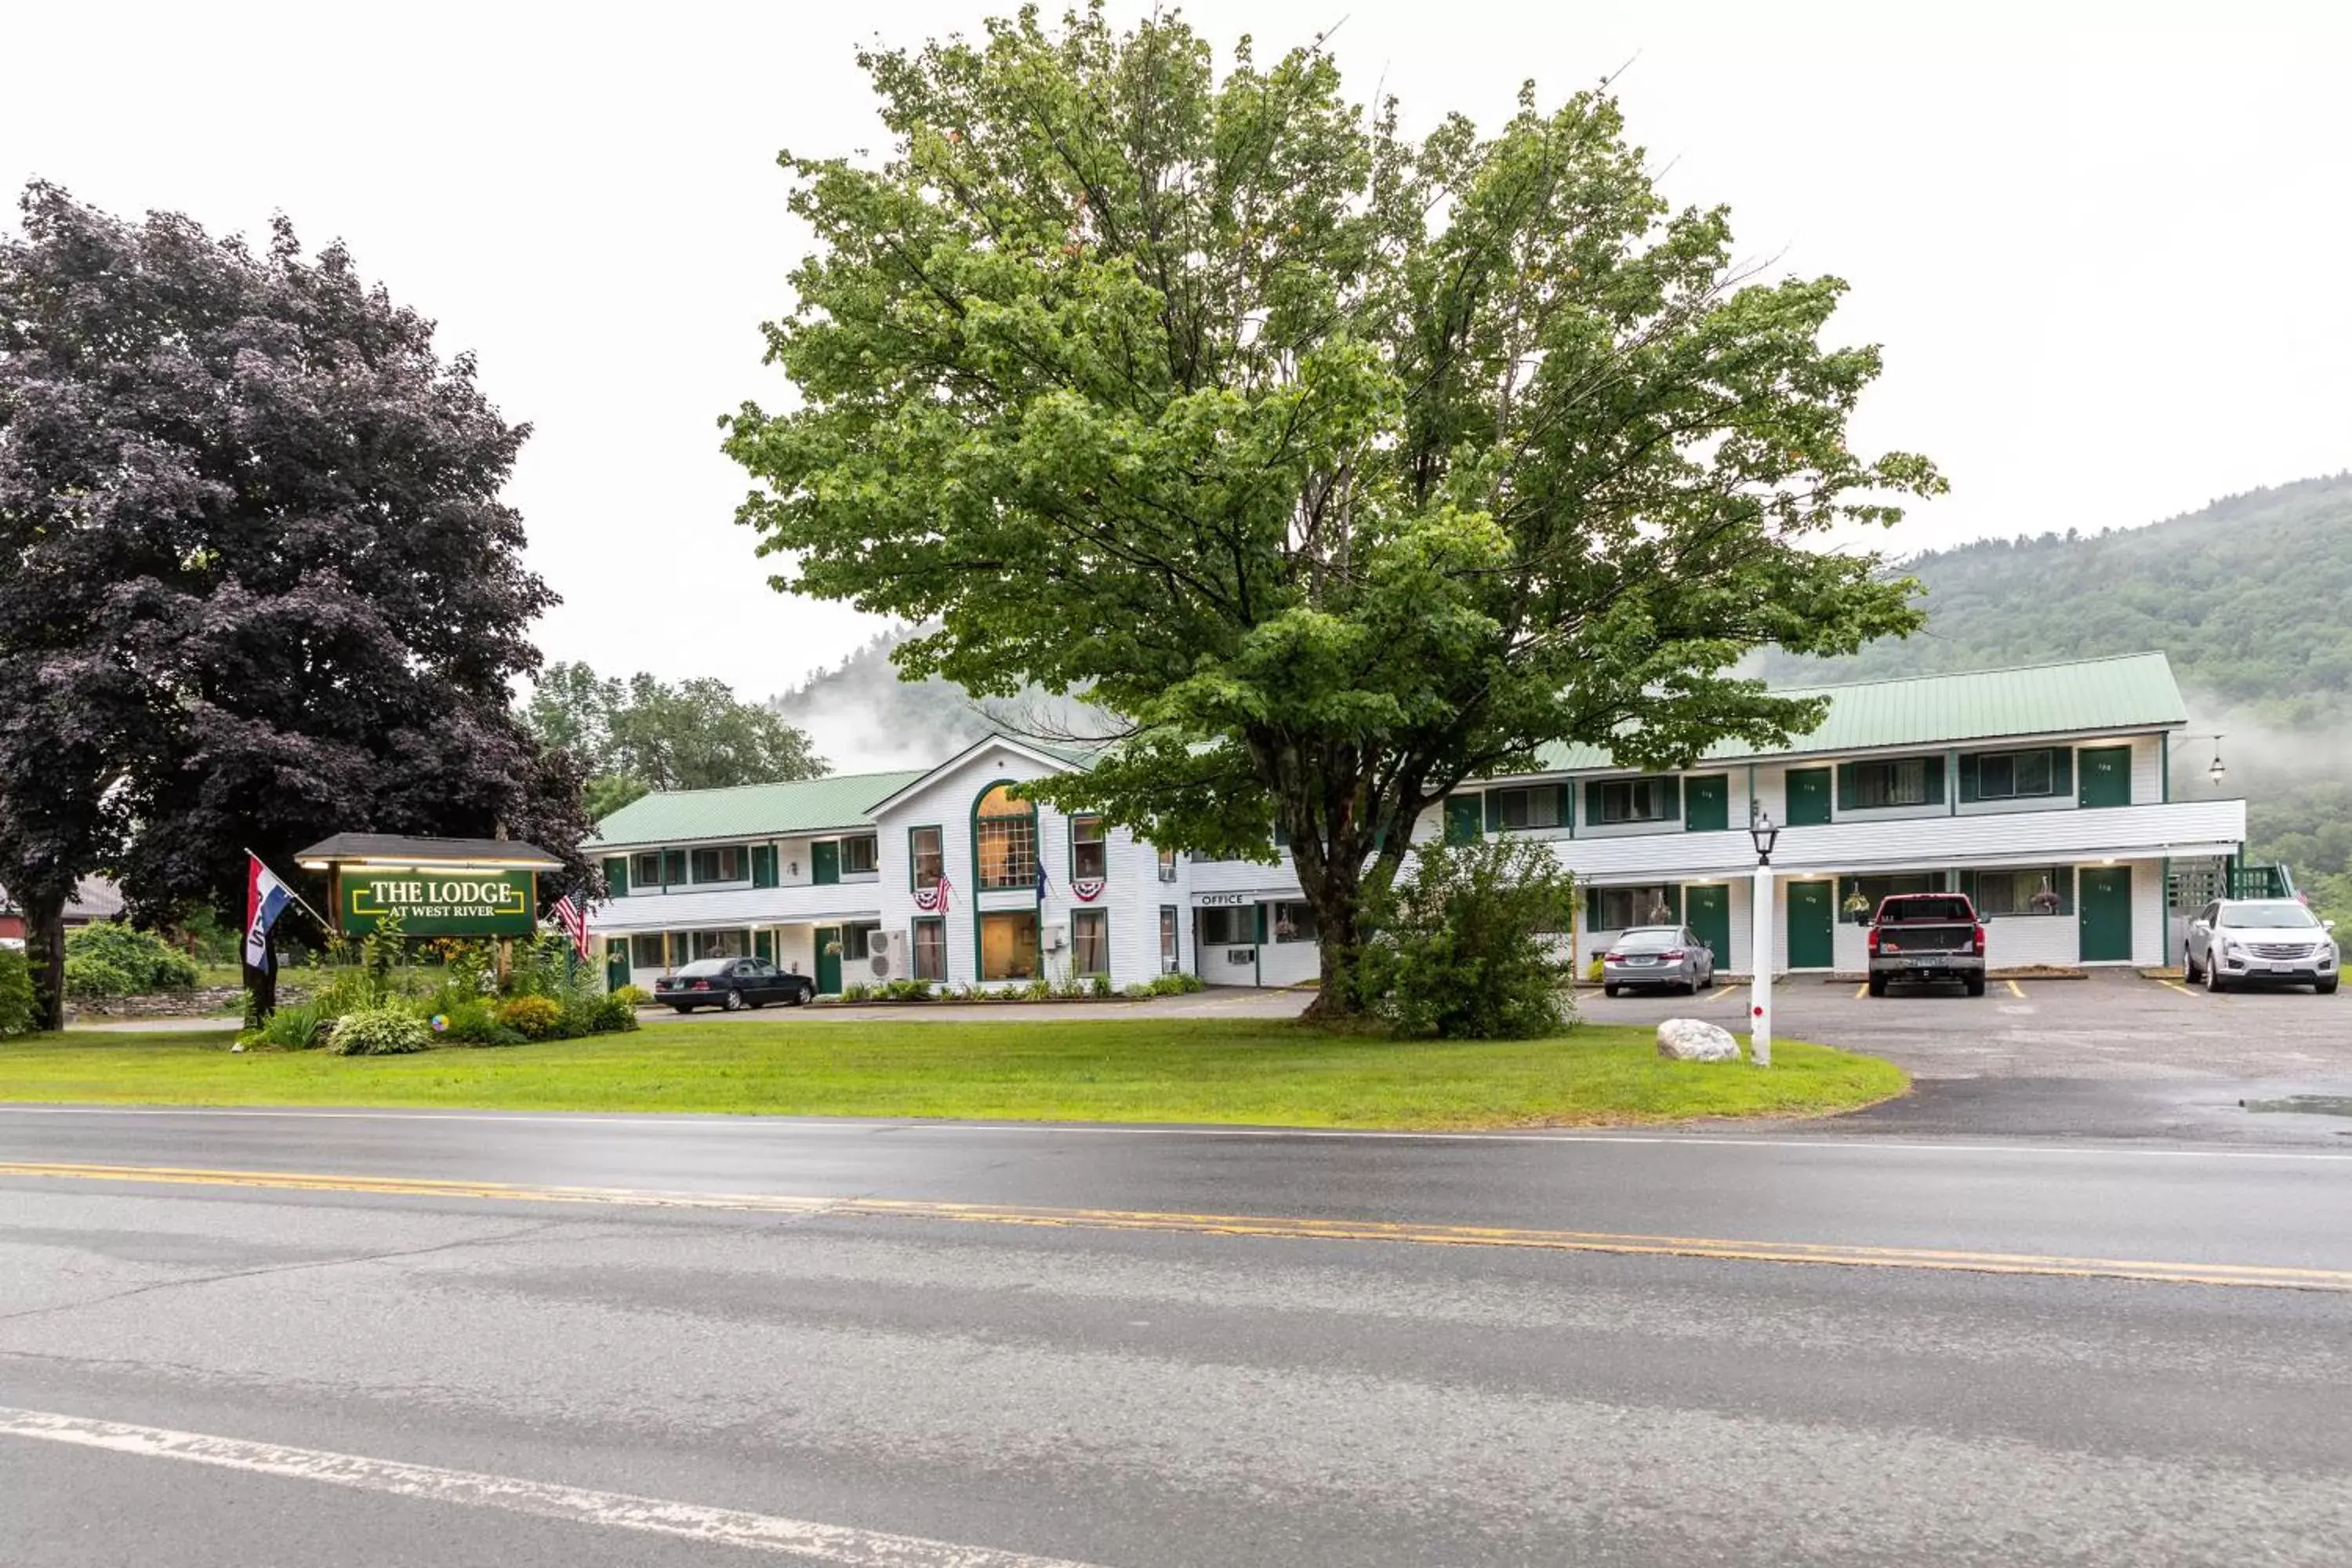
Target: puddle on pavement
2305	1104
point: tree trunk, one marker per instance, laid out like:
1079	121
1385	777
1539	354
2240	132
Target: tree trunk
260	994
1336	894
45	949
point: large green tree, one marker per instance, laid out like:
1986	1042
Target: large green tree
642	734
1343	465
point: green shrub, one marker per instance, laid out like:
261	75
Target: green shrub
632	996
15	993
907	990
533	1017
380	1032
613	1016
1466	943
1168	985
857	991
296	1027
1100	987
93	979
473	1022
115	960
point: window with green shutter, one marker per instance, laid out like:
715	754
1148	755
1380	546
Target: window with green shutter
1518	809
2034	774
764	866
1610	802
1890	781
674	867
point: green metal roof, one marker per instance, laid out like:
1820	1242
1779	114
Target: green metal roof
753	811
2130	691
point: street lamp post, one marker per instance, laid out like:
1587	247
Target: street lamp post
1759	945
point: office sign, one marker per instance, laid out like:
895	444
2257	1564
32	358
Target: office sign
440	901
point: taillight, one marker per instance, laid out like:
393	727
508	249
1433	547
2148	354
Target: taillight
702	985
1980	941
1873	938
1677	955
1613	958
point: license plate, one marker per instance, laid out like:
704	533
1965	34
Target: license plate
1638	961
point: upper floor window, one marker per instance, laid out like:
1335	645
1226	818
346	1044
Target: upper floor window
1005	841
1090	851
2041	772
858	855
1539	806
1634	800
727	863
1168	865
1890	781
927	857
646	871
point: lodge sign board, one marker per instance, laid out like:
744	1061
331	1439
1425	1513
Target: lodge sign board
439	901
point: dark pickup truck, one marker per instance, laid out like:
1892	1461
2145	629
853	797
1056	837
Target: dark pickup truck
1920	939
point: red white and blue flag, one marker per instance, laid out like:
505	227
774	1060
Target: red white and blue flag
570	914
933	899
265	898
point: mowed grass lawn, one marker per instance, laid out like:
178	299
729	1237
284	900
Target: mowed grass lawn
1265	1072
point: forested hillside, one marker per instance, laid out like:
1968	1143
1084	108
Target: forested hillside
2250	597
862	715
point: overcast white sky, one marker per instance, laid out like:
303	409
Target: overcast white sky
2104	245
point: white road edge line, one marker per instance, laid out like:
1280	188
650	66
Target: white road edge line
540	1500
1859	1144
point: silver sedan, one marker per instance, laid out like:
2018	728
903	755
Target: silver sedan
1672	957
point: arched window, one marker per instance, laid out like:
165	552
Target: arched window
1004	837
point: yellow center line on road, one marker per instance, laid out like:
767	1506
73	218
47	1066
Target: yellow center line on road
1278	1228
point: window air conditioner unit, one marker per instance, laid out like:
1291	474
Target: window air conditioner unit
887	954
1057	937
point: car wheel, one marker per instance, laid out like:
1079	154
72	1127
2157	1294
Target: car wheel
1608	990
1878	985
735	1002
2189	967
1976	983
2214	983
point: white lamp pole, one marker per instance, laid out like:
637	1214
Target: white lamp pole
1761	945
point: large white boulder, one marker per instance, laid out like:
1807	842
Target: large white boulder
1695	1040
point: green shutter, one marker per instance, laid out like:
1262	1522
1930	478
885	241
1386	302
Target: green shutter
1675	901
1968	777
674	867
1674	799
1566	809
1967	882
1281	839
1591	909
1494	811
1593	802
2062	771
2063	879
1934	771
617	876
1848	791
764	945
763	865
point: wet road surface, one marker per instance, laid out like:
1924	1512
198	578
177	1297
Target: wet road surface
1102	1365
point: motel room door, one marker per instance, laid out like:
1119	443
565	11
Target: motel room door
1812	942
1708	911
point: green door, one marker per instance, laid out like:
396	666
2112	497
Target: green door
2104	912
2106	774
824	861
1809	797
828	961
617	964
1707	804
1811	944
1462	823
1708	911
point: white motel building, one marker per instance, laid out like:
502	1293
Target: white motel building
2043	793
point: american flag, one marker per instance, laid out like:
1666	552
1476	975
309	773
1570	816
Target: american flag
574	920
933	899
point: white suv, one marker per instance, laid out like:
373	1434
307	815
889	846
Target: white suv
2261	941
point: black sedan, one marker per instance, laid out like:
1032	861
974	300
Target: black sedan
733	984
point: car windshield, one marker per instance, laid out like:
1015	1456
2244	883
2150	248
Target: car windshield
703	968
2279	916
1649	939
1926	908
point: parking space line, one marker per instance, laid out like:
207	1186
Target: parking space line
2015	989
1725	991
1862	991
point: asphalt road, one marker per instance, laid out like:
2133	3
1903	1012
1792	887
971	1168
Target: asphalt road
1100	1362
